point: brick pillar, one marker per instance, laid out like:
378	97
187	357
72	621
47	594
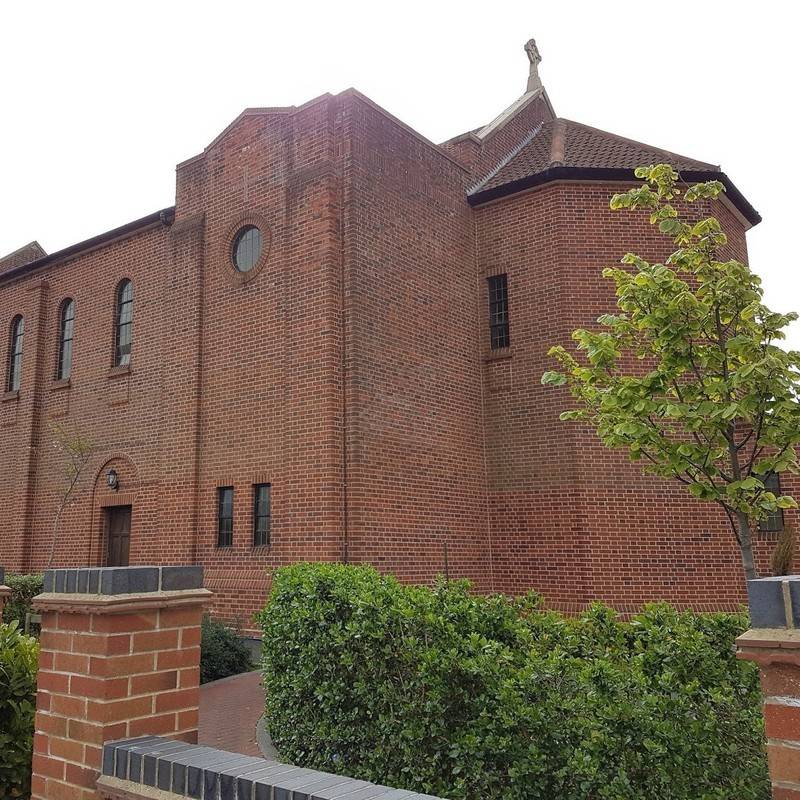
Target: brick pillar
5	592
120	657
773	642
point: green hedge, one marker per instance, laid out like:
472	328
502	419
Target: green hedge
19	659
222	652
466	696
23	589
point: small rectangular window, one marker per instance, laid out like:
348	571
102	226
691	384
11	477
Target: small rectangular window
498	311
262	502
773	523
225	516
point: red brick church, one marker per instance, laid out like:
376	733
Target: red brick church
331	348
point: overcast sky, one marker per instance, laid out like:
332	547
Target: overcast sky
101	100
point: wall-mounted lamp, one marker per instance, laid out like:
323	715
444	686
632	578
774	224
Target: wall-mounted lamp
112	479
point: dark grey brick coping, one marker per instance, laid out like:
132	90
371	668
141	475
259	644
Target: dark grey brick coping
122	580
203	773
774	602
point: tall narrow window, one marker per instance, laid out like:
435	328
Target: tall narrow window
261	514
773	523
498	311
65	339
15	355
124	324
225	516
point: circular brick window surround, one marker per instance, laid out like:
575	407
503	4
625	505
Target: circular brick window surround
246	248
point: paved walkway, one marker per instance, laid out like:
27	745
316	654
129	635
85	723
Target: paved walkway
229	712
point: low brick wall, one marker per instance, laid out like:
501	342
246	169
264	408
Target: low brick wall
120	657
773	642
149	766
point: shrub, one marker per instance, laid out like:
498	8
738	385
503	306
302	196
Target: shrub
19	657
23	589
783	554
222	652
440	691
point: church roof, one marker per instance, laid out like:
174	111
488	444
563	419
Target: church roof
560	149
24	255
31	261
564	143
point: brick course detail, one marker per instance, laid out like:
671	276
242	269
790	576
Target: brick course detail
350	370
776	650
111	666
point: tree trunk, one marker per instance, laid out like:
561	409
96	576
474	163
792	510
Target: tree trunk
746	546
55	536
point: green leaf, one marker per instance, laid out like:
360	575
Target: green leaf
785	501
554	379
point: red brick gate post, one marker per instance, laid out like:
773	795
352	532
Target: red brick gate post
773	642
120	657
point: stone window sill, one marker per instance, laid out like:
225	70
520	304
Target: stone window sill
60	384
499	354
115	372
8	396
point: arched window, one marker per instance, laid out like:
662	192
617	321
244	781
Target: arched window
67	321
124	324
15	354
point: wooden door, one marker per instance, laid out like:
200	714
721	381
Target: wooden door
118	536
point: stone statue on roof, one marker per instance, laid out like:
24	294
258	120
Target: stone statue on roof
534	56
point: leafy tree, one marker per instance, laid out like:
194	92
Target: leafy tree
75	449
688	376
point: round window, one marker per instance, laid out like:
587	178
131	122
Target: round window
247	248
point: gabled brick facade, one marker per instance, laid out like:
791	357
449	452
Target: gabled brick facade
351	370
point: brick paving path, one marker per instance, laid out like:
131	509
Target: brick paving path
229	711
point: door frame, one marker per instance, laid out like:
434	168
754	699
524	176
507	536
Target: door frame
108	513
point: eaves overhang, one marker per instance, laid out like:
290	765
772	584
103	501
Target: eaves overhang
165	217
610	174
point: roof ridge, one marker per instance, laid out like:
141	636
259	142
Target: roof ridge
640	144
523	101
33	243
524	142
558	143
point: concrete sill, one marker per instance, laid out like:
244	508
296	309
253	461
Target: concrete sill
499	355
9	396
115	372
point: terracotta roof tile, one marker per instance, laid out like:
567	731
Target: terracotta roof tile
564	143
30	252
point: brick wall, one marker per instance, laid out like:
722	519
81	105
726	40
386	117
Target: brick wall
773	642
571	518
269	383
415	467
117	410
113	664
351	371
